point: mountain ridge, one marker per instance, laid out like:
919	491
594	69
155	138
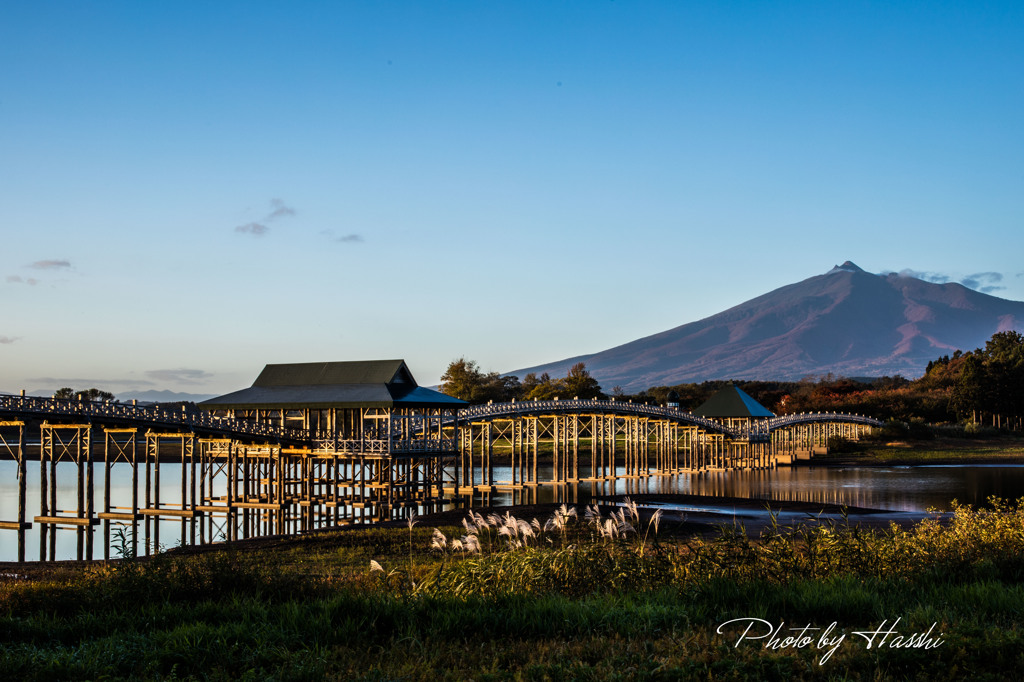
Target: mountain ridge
846	321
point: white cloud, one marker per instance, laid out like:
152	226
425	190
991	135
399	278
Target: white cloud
255	229
180	375
353	238
935	277
79	383
985	282
51	264
278	210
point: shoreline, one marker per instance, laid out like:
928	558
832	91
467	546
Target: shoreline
687	514
907	462
683	515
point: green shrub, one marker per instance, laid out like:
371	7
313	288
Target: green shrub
917	429
840	444
979	430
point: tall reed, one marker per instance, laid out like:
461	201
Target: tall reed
619	552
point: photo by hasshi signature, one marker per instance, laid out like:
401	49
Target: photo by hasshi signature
830	637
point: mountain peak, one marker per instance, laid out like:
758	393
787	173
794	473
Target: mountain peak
848	266
849	322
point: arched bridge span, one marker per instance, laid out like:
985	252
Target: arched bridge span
788	420
532	408
753	428
600	440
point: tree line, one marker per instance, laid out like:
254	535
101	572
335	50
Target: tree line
464	380
989	383
88	394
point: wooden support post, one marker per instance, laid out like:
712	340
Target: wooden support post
193	500
535	444
184	490
576	448
90	494
15	448
279	497
155	460
22	472
232	492
489	445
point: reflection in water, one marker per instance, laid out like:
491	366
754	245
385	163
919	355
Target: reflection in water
171	531
894	488
915	489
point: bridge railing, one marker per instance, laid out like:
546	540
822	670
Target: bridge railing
155	414
811	417
758	429
158	414
492	410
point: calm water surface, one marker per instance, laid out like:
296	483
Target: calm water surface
911	489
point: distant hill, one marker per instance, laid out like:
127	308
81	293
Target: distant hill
847	321
163	397
142	396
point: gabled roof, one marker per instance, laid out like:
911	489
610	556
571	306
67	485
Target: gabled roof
322	385
733	402
334	373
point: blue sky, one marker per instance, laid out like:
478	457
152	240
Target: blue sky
191	190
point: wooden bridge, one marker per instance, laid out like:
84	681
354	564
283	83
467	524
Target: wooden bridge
602	440
244	469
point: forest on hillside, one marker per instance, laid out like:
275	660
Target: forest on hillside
983	387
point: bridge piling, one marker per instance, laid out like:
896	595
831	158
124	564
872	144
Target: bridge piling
14	447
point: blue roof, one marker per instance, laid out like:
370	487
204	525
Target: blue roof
733	402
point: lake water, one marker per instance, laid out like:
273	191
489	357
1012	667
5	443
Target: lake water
905	489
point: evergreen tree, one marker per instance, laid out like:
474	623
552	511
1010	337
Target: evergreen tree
94	395
464	380
89	394
969	391
579	383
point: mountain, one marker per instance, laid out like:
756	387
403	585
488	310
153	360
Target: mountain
847	321
164	396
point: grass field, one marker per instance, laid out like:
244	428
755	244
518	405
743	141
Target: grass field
569	597
991	450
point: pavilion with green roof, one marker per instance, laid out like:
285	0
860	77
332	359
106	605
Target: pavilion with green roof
736	409
376	442
372	406
733	407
